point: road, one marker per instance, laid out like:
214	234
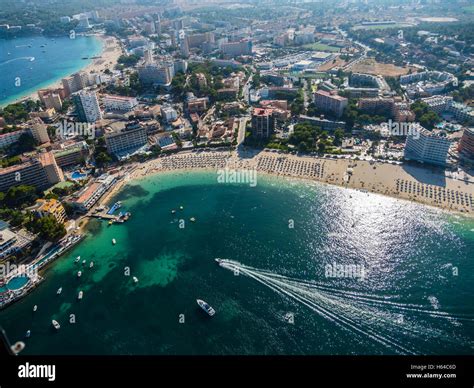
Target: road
242	126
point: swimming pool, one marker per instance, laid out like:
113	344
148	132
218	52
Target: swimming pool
18	282
76	175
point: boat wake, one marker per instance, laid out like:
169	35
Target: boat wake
392	324
30	59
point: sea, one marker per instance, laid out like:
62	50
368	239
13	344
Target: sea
315	270
29	64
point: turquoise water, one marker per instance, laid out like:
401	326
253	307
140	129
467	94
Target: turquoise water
284	233
61	57
18	282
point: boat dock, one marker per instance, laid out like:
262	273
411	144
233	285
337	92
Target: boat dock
105	215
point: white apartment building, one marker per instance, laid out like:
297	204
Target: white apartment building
169	114
87	106
121	142
119	103
427	146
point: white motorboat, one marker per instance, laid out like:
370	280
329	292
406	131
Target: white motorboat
56	324
207	308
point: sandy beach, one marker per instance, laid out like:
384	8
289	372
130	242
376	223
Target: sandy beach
407	182
111	51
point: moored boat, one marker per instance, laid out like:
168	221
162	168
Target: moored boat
56	324
60	289
79	274
80	295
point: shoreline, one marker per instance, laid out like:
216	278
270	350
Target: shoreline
335	177
110	52
222	160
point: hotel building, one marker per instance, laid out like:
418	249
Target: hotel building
263	123
427	146
330	102
466	144
53	207
71	154
235	49
41	172
10	138
75	82
87	106
118	103
88	196
121	142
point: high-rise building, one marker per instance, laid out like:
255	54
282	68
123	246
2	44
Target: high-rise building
156	74
330	102
466	144
121	142
263	123
10	138
148	56
196	40
427	146
150	28
87	106
234	49
184	47
41	172
75	82
51	99
180	65
39	132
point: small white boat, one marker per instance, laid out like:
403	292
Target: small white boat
135	279
77	259
91	264
60	289
28	334
79	274
35	307
114	241
173	211
192	219
56	324
208	309
80	295
181	208
83	262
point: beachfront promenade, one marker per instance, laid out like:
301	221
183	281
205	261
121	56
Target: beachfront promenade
414	183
